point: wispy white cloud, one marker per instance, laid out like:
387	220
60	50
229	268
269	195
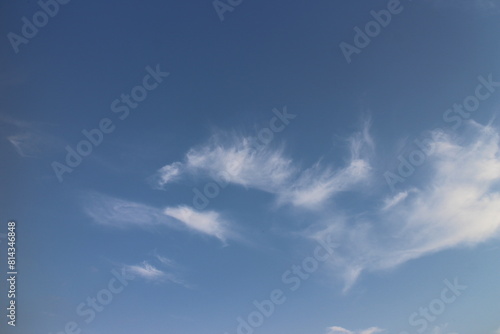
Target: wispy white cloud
24	143
235	159
458	205
394	200
442	329
372	330
317	184
340	330
30	140
114	212
146	271
165	261
239	160
167	174
151	273
207	222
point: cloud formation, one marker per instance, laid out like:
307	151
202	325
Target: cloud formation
118	213
114	212
238	160
30	140
457	205
234	159
167	174
146	271
207	222
164	272
340	330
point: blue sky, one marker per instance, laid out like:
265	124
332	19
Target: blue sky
232	170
